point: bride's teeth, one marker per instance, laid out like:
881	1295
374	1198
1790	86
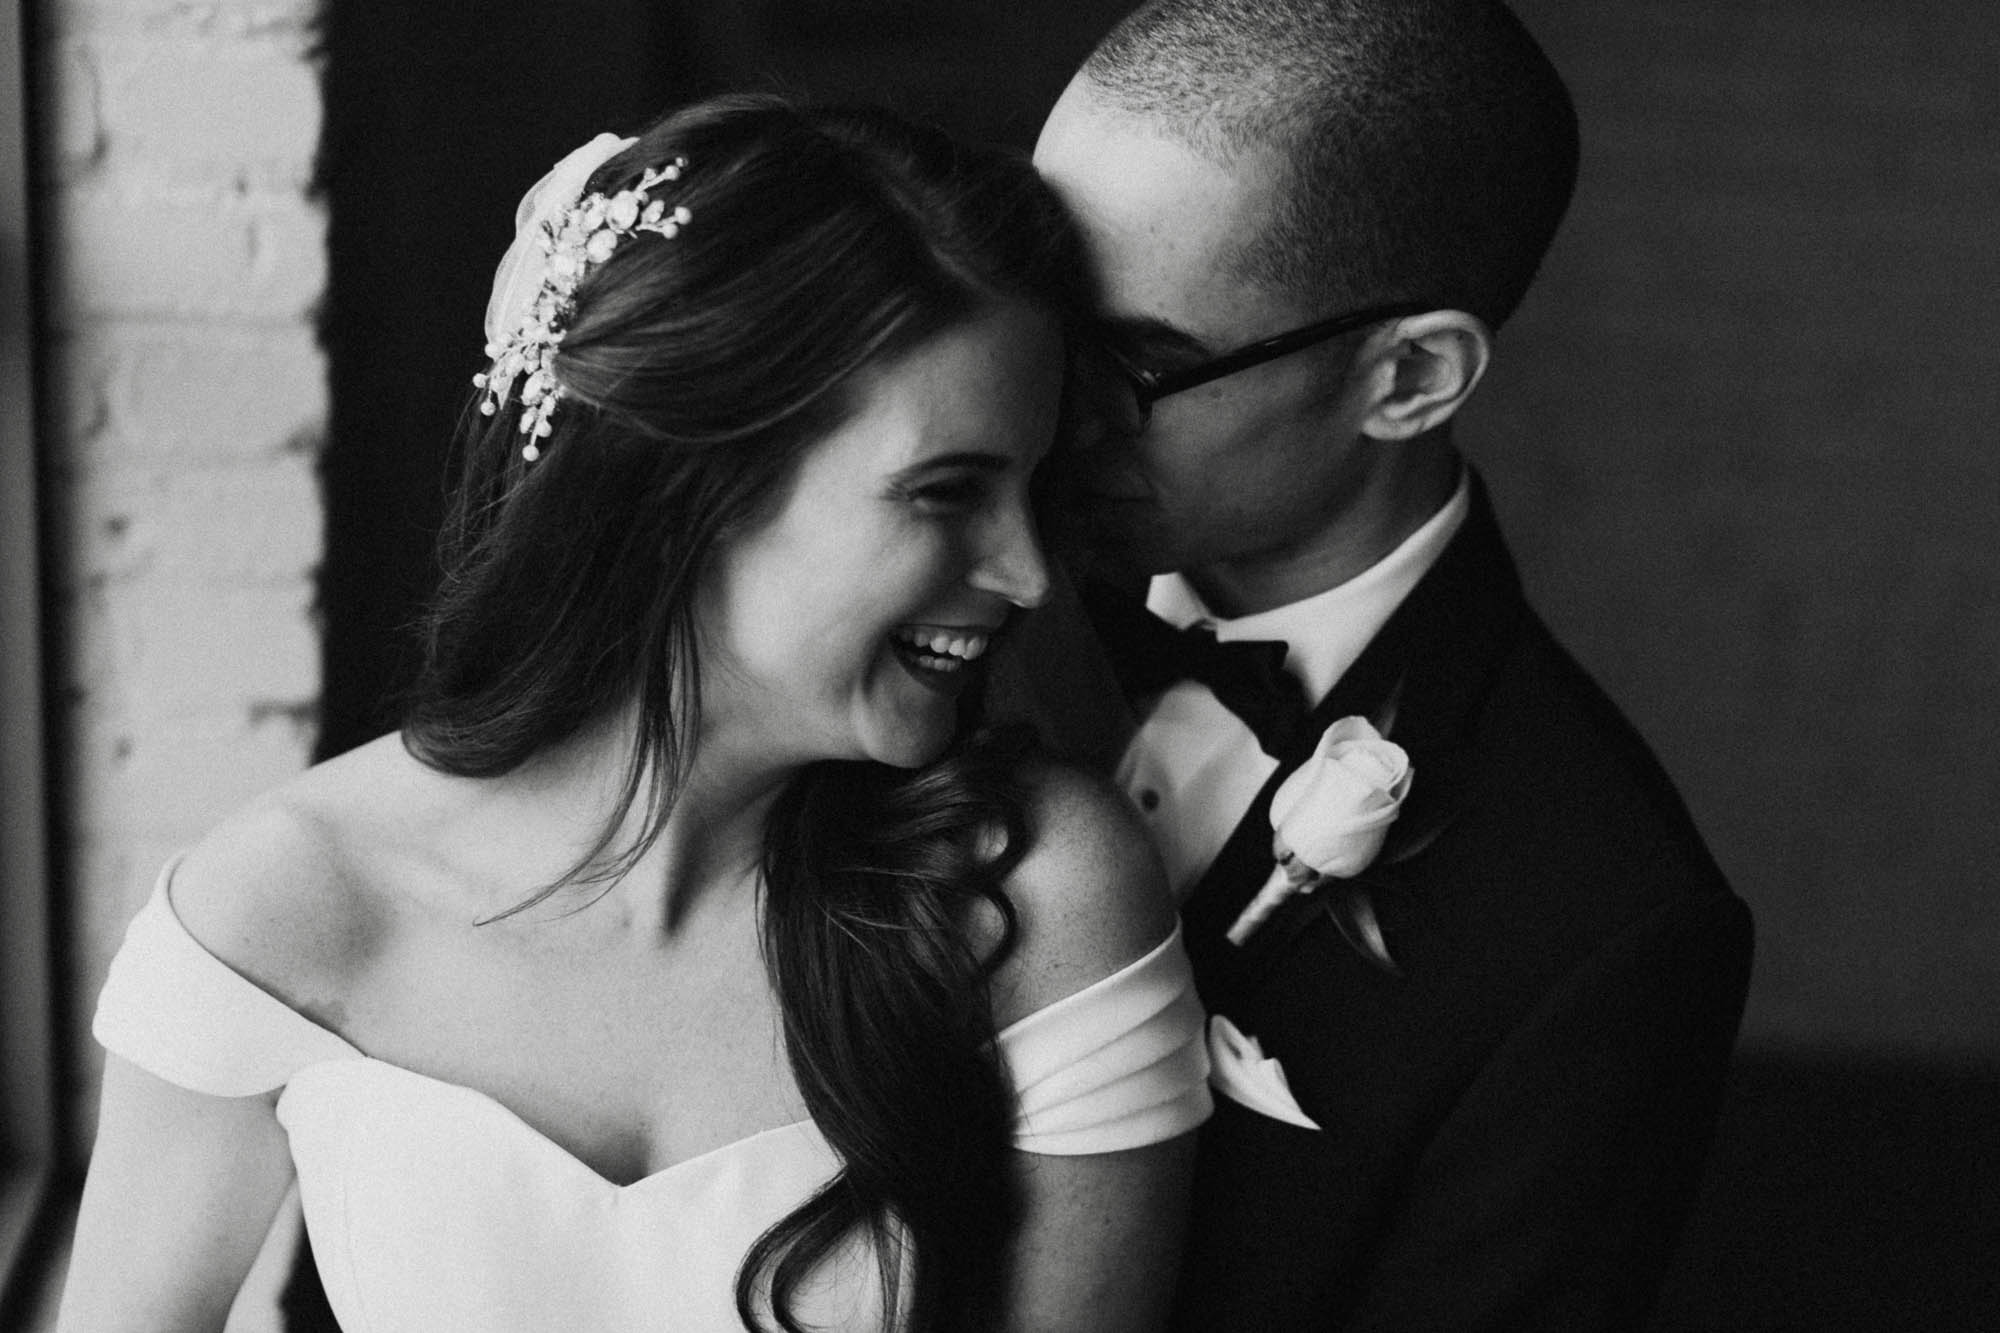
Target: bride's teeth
949	649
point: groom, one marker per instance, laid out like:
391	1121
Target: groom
1502	1043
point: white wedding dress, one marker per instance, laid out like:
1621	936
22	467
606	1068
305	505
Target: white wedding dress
432	1207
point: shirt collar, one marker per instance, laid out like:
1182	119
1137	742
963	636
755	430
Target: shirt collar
1325	633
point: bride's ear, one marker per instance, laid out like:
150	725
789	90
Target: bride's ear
1420	370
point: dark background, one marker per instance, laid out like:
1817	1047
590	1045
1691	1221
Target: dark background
1738	435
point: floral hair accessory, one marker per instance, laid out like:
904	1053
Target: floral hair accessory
1329	818
558	236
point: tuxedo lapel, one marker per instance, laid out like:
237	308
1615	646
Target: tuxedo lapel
1423	676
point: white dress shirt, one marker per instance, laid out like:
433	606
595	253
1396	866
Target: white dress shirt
1193	767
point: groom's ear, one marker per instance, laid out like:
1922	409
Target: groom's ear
1417	371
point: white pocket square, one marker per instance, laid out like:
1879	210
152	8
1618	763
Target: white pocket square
1240	1071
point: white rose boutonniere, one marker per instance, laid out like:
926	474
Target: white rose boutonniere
1328	819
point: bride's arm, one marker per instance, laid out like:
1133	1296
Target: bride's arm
1100	1240
184	1184
182	1189
1100	1235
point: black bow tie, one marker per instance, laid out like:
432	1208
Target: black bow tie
1247	677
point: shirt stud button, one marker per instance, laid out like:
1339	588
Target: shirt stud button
1149	799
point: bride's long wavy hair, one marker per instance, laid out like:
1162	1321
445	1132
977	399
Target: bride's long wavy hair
697	370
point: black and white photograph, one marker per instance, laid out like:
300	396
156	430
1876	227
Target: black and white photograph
915	666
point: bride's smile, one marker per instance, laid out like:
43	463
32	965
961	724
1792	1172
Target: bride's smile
938	655
845	623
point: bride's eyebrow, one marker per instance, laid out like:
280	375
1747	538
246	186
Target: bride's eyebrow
961	458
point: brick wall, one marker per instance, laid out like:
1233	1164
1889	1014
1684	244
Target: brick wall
184	260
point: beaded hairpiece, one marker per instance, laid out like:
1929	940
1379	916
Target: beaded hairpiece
580	235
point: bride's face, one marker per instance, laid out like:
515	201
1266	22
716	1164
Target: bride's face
845	622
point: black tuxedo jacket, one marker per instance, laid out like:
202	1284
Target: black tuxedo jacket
1512	1129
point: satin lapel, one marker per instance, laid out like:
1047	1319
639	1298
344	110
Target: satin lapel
1425	673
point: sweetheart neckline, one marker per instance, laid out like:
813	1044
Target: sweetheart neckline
356	1056
509	1115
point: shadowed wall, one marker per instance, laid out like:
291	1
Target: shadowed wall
1740	436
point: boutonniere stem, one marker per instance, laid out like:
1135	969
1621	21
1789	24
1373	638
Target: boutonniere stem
1328	820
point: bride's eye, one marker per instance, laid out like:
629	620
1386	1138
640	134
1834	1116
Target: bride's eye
951	493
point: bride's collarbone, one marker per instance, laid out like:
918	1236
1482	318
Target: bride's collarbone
629	1059
566	980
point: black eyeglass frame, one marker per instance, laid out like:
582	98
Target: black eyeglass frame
1149	386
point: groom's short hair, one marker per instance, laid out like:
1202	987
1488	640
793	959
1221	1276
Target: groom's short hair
1427	148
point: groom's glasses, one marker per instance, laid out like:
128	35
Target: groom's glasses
1149	386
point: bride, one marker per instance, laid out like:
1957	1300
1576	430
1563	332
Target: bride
684	963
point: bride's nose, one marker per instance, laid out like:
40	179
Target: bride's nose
1013	565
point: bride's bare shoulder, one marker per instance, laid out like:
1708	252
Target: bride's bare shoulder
1090	894
287	889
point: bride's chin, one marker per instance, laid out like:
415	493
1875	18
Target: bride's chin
911	747
909	733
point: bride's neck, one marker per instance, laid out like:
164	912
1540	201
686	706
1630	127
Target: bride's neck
710	841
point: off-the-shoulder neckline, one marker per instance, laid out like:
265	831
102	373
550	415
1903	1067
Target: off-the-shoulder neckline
1012	1032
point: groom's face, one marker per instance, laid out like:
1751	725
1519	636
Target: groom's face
1238	474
